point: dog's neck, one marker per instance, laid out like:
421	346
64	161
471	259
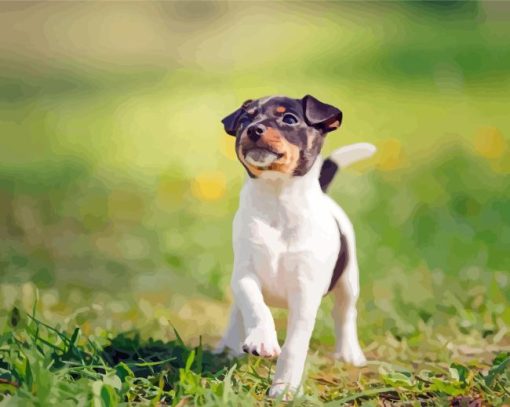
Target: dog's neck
272	184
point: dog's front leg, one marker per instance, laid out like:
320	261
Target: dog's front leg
258	322
303	306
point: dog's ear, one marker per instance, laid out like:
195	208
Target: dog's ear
321	115
230	122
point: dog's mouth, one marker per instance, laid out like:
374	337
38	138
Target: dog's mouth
261	157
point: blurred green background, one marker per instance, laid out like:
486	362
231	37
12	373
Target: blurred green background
118	185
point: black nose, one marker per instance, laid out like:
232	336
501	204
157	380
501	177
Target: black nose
255	131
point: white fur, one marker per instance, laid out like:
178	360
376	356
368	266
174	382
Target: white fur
286	243
348	155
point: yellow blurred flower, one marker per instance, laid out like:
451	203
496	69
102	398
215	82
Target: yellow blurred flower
489	143
390	155
209	186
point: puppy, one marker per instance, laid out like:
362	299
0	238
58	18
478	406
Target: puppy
292	243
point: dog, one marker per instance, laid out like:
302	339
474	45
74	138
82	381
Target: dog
292	243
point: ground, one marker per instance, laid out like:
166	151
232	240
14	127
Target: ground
42	365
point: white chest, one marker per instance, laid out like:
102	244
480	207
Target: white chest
287	241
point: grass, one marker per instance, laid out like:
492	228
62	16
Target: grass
45	365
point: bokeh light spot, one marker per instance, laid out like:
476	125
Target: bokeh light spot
490	143
227	147
390	155
209	186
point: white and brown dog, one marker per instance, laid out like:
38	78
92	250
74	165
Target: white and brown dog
292	243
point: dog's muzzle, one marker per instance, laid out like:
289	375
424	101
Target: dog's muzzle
261	157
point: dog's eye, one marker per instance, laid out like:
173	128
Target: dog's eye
289	118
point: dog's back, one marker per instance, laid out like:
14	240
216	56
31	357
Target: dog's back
338	159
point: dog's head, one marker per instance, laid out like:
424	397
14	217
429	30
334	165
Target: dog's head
281	134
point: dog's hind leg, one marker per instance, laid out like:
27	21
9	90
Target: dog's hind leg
344	313
234	335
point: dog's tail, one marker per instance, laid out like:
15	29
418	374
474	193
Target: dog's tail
342	158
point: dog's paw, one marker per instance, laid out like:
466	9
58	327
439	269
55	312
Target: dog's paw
283	391
351	354
263	342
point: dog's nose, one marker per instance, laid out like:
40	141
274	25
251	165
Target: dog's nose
255	131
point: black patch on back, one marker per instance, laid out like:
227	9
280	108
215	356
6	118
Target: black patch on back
341	262
328	171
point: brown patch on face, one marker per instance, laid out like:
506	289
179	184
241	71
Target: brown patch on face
280	109
254	171
273	140
288	162
334	125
